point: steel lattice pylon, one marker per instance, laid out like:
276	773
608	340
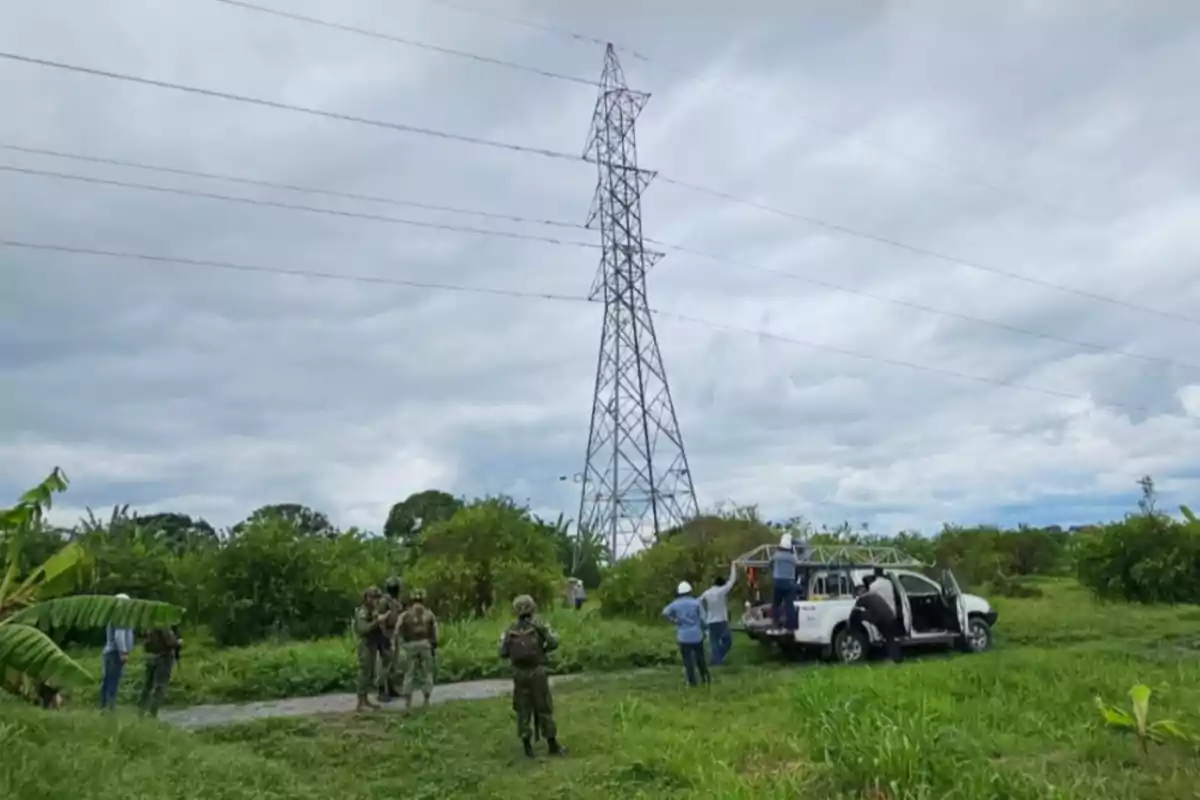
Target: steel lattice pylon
636	481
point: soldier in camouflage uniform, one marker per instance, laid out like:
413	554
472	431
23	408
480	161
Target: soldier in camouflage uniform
369	625
417	632
390	670
525	644
161	645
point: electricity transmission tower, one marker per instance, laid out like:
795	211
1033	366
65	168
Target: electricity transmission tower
636	481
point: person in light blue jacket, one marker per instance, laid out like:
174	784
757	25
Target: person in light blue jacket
688	617
118	644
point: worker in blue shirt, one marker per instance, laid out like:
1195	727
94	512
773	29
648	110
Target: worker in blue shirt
687	615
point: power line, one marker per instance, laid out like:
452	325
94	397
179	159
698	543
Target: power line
1099	348
296	273
442	226
316	112
686	318
843	229
839	130
290	187
537	26
923	251
890	361
450	51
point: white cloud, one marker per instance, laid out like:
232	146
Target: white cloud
1040	141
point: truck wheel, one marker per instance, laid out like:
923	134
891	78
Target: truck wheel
850	646
978	638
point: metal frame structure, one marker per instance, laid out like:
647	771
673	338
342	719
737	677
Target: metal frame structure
836	556
636	479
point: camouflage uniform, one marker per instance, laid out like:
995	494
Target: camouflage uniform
532	700
368	627
160	647
417	631
390	670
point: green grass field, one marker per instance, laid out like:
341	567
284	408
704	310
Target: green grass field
1017	722
467	652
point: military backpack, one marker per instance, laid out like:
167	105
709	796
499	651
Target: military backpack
525	646
415	624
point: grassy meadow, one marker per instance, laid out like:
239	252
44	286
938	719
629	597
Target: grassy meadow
269	671
1017	722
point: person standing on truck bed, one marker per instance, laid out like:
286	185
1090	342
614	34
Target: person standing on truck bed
716	614
783	583
873	608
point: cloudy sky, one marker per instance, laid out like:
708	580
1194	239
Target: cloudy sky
1052	140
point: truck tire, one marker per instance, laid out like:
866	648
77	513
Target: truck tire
850	646
979	636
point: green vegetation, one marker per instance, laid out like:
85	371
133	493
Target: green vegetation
1084	615
273	670
31	599
1017	722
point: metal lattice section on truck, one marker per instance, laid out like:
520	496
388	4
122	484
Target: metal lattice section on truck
822	555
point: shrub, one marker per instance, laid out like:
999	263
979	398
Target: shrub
484	555
271	580
1148	558
701	549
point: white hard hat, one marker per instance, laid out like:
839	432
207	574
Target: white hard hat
785	541
683	588
122	596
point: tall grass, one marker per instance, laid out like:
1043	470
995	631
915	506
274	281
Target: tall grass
1016	724
467	652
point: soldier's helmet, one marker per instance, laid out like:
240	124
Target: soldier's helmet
524	605
371	592
393	582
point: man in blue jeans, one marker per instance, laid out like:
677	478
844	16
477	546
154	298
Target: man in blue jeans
685	612
118	642
716	615
783	584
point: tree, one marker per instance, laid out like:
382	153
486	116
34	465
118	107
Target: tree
178	532
1147	558
409	516
302	519
583	555
487	553
31	602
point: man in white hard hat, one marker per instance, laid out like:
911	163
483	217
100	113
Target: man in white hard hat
688	617
783	584
118	644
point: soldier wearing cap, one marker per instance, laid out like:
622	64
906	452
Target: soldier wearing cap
369	627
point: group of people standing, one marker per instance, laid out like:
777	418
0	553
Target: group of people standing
396	638
696	617
396	643
162	647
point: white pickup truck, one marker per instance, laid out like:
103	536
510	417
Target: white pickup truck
931	612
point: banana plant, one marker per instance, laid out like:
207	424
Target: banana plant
1138	720
34	603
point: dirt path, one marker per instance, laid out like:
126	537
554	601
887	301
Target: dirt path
236	713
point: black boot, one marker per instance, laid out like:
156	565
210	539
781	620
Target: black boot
528	747
555	748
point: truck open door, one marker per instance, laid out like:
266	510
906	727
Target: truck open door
954	597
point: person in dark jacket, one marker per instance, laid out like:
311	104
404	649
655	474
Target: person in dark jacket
871	607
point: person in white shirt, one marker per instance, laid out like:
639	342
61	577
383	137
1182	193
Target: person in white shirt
118	644
716	614
881	585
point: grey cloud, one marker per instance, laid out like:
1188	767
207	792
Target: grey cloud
214	392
